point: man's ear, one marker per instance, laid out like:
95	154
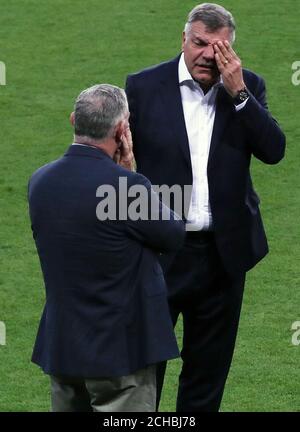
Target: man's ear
72	118
119	131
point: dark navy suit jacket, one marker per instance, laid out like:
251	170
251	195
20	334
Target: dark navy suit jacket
162	154
106	311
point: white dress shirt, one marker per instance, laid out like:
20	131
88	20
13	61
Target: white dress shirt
199	114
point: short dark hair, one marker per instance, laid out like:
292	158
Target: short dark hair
213	16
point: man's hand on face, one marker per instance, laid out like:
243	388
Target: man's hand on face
124	155
230	67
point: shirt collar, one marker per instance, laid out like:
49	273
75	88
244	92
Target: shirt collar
83	145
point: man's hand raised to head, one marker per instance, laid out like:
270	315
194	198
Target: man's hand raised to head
230	67
124	155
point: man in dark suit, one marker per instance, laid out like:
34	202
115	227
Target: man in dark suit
106	322
197	120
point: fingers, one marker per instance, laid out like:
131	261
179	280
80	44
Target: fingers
226	58
225	52
220	55
127	141
129	137
230	67
231	51
127	157
220	63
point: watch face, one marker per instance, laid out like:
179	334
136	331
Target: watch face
243	95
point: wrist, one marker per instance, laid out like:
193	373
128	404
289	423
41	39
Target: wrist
241	96
238	89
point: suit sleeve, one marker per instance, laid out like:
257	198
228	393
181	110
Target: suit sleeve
266	140
158	228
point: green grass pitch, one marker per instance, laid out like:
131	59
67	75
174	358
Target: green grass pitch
52	50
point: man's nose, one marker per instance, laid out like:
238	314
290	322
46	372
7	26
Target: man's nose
209	53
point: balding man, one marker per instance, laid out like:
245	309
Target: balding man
106	322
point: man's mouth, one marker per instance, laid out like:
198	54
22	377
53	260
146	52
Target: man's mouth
205	66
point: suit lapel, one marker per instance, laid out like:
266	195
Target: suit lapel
224	110
171	97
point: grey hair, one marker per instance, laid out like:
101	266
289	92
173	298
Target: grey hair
213	16
98	109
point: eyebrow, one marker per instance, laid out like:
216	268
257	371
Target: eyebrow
200	39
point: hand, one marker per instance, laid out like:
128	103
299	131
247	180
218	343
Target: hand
124	155
230	67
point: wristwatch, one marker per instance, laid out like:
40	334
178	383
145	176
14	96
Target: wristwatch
241	96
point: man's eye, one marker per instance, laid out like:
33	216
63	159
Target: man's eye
198	43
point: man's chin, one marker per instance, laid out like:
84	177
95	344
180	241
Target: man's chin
206	79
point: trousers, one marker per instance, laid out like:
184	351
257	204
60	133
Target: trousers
132	393
209	300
